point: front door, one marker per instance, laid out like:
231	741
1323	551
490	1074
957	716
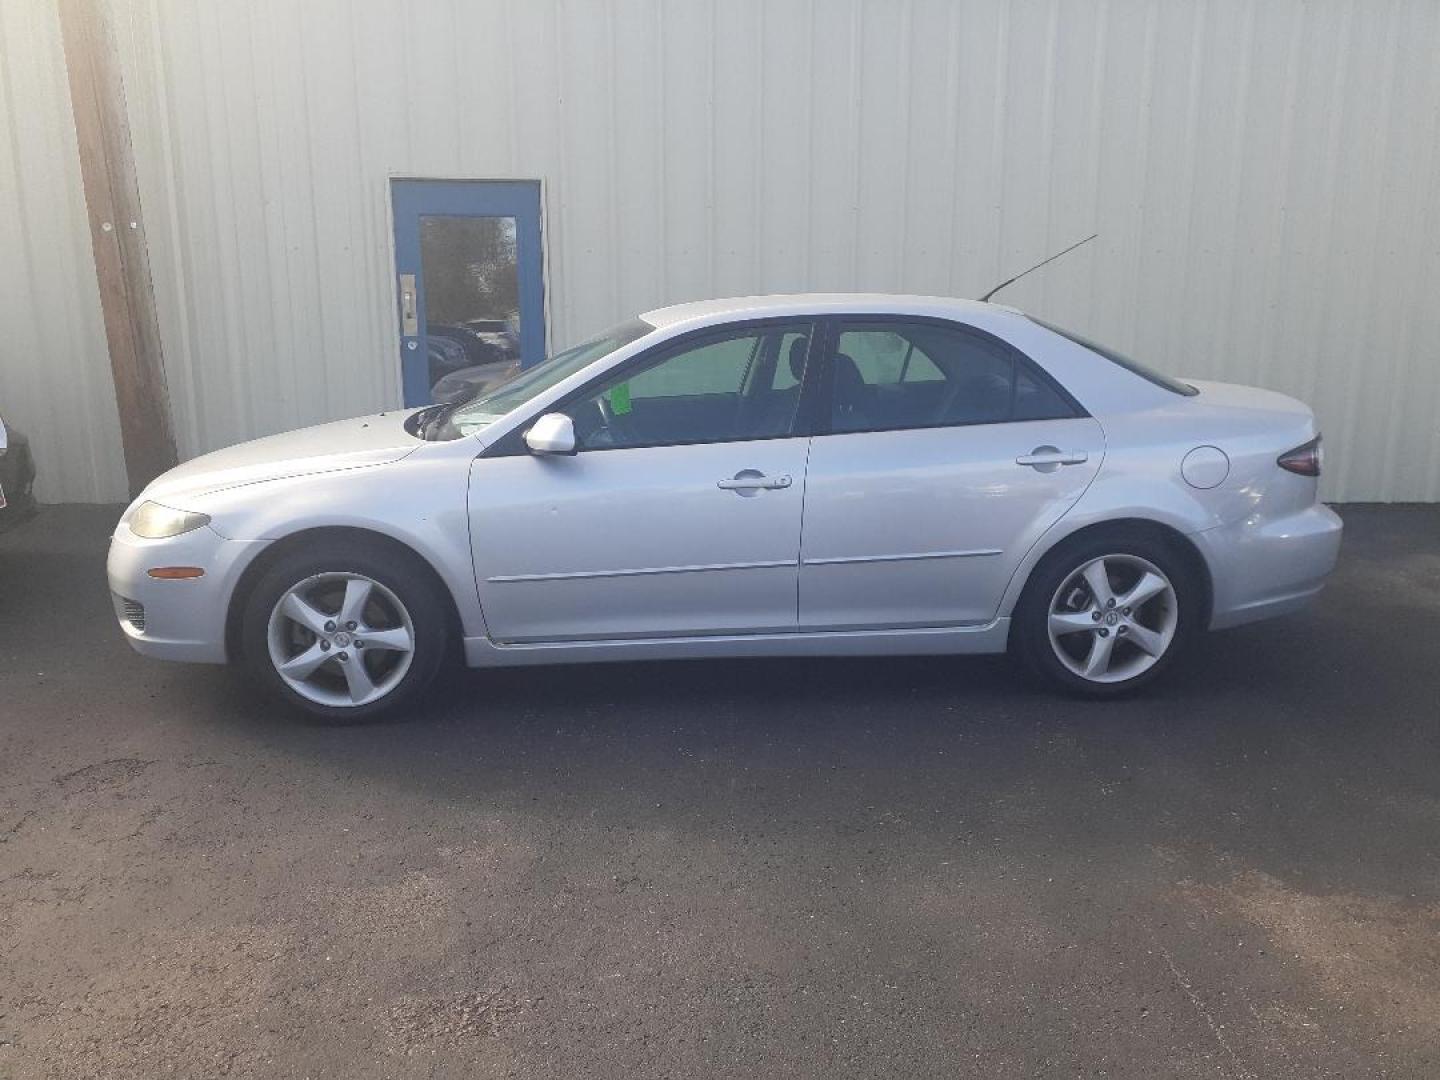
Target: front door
947	455
469	284
679	514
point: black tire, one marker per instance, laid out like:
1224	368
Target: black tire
393	568
1030	635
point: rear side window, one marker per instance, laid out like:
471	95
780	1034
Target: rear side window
893	375
1036	399
1175	386
885	357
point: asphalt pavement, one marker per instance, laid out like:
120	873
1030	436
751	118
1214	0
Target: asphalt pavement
825	868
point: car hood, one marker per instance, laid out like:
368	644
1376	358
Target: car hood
345	444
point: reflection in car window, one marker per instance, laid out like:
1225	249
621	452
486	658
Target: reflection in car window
790	365
473	416
1036	399
715	390
883	356
711	369
896	375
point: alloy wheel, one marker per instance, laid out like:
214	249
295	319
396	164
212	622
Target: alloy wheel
1113	618
340	639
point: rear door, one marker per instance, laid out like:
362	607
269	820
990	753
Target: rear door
942	455
678	516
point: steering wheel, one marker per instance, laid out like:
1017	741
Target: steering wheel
614	430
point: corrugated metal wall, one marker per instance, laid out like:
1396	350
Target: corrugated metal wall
54	369
1263	176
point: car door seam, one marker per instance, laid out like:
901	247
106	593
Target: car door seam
1025	559
574	575
800	542
905	557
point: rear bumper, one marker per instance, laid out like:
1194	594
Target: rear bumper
175	619
1272	567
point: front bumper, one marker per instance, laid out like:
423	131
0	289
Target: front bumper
1260	569
175	619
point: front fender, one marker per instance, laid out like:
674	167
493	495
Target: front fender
420	502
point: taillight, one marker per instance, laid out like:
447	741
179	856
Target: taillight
1303	460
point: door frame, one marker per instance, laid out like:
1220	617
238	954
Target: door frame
814	389
391	288
1018	357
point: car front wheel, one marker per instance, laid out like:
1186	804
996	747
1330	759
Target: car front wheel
349	634
1106	615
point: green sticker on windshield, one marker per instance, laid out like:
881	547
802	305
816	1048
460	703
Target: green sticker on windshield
620	399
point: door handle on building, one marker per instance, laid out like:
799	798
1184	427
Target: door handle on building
409	319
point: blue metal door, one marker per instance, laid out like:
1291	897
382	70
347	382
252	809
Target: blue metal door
469	283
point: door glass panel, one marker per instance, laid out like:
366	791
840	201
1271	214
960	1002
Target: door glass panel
790	365
879	355
718	390
470	286
918	375
1037	400
711	369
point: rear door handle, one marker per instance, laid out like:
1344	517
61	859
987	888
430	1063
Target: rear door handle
750	481
1049	458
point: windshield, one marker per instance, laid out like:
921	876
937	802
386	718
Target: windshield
1175	386
468	417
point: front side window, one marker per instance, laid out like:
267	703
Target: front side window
478	413
744	384
892	375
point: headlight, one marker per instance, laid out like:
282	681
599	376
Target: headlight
156	522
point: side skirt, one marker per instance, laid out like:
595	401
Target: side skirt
951	640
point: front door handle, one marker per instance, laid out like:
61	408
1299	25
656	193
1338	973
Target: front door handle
751	481
1050	458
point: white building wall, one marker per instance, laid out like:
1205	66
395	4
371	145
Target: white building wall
55	380
1263	177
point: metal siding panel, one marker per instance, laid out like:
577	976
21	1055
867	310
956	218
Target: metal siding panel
635	155
587	198
834	148
978	260
539	152
738	148
883	150
786	168
925	88
55	381
1023	143
1407	404
682	54
1261	175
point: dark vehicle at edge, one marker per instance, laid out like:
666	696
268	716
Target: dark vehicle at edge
17	477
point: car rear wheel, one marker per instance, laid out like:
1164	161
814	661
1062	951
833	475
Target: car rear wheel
1107	614
349	634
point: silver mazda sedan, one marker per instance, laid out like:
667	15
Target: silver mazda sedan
769	476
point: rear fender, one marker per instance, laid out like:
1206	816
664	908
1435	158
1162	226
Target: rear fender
1107	502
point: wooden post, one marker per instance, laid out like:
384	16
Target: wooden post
117	234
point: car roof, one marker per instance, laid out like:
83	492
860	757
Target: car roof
781	304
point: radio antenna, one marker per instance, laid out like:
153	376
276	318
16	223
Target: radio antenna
1037	266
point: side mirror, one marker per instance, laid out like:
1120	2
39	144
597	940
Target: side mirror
553	433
